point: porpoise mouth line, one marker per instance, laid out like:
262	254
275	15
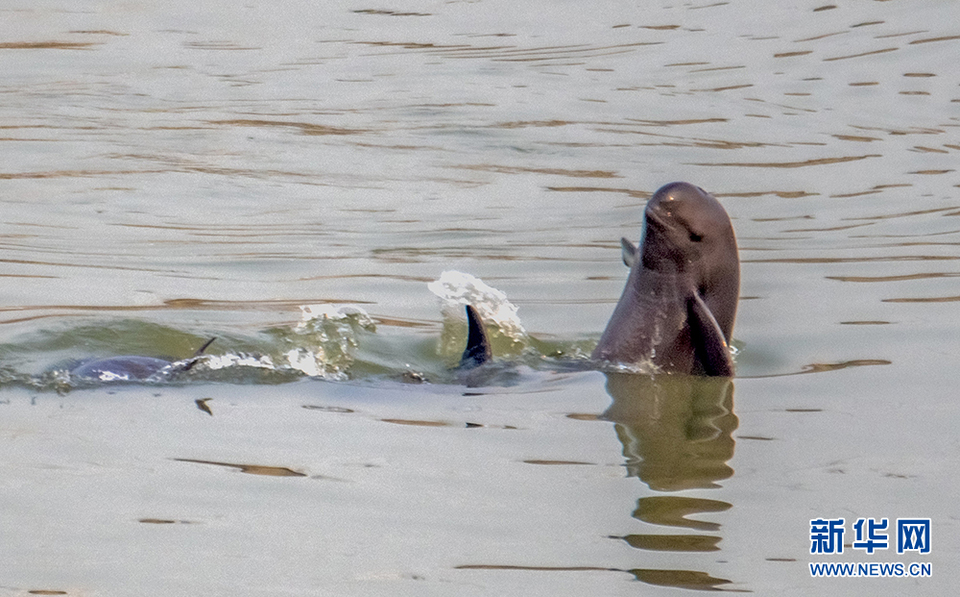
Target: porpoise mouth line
653	218
662	226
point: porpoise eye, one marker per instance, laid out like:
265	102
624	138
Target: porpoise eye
695	237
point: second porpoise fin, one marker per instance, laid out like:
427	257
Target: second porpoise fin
478	350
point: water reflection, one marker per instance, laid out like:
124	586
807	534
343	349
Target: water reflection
681	579
676	433
675	429
250	469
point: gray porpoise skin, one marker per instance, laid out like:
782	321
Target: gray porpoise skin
136	368
121	368
678	307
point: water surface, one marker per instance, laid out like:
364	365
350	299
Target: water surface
181	171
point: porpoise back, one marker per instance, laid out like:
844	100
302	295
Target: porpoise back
134	367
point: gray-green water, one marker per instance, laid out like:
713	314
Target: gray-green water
178	171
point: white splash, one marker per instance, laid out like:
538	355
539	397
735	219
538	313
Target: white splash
326	336
326	312
457	289
308	362
111	376
215	362
643	367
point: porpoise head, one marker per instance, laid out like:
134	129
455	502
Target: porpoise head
687	231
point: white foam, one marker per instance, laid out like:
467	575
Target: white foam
215	362
111	376
307	362
312	313
457	289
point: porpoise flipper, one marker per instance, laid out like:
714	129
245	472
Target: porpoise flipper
711	352
629	252
478	350
203	348
189	363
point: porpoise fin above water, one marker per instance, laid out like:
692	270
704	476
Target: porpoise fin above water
711	352
196	356
478	349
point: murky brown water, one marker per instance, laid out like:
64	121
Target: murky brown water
181	171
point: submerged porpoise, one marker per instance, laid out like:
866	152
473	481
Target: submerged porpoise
135	368
677	310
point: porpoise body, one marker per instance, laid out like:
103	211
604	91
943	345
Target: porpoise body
134	368
677	310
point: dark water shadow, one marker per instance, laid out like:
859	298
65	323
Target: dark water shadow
827	367
676	432
250	469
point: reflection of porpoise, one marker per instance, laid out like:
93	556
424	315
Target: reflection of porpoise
676	430
134	368
680	301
